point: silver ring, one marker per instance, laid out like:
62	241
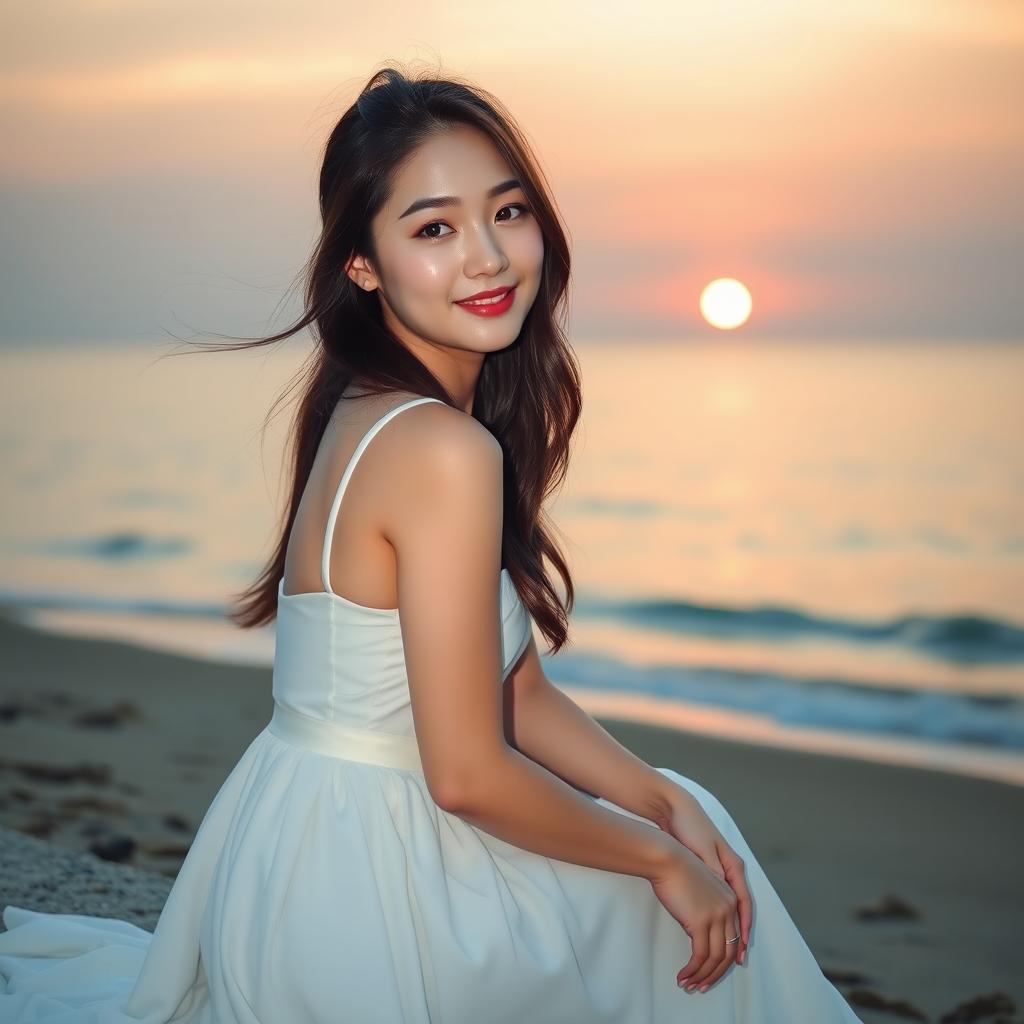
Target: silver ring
735	938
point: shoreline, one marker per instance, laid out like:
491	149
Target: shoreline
903	880
200	639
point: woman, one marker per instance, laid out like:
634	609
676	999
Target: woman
428	830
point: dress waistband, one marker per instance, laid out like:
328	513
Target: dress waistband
390	750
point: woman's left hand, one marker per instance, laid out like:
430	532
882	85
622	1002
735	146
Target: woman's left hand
690	825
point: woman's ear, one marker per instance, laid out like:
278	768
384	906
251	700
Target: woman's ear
360	272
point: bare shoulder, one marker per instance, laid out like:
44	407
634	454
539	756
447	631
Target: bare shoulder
437	421
436	438
441	465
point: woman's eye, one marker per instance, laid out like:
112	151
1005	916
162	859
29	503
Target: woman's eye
427	227
440	223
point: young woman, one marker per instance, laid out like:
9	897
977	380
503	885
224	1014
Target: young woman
428	830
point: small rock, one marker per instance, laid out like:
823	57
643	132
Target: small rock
839	976
98	774
119	848
978	1007
9	712
888	908
109	717
177	822
40	827
876	1001
165	849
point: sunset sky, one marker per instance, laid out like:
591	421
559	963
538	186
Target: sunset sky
858	166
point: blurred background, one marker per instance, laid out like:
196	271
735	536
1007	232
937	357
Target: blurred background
796	507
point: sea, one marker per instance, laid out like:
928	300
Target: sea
816	545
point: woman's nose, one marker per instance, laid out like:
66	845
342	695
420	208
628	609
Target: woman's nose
483	253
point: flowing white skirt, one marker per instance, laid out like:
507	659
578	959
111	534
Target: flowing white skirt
322	891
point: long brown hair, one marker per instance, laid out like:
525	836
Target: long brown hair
528	394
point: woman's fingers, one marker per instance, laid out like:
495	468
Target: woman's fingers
698	955
735	874
731	929
744	909
716	950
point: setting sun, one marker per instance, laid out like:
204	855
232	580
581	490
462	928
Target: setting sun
725	303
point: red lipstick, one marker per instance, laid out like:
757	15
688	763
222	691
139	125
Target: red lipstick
493	307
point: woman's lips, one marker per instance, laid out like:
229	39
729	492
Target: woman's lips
490	307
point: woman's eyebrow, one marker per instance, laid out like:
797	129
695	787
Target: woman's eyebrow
421	204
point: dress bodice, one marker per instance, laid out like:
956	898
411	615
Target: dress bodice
344	662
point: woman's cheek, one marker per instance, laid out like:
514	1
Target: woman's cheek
425	275
533	250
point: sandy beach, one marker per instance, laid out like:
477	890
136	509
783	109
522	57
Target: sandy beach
905	882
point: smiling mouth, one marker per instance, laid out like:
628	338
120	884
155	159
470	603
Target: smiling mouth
491	308
490	301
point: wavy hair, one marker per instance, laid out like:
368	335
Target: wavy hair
528	395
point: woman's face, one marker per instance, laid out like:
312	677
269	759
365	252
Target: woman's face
432	255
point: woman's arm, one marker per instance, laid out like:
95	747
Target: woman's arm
550	728
445	524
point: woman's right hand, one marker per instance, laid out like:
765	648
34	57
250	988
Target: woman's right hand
705	906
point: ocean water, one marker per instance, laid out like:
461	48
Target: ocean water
818	545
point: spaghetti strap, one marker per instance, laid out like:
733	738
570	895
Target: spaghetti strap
325	559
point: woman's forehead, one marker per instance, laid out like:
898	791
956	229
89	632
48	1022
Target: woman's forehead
463	165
